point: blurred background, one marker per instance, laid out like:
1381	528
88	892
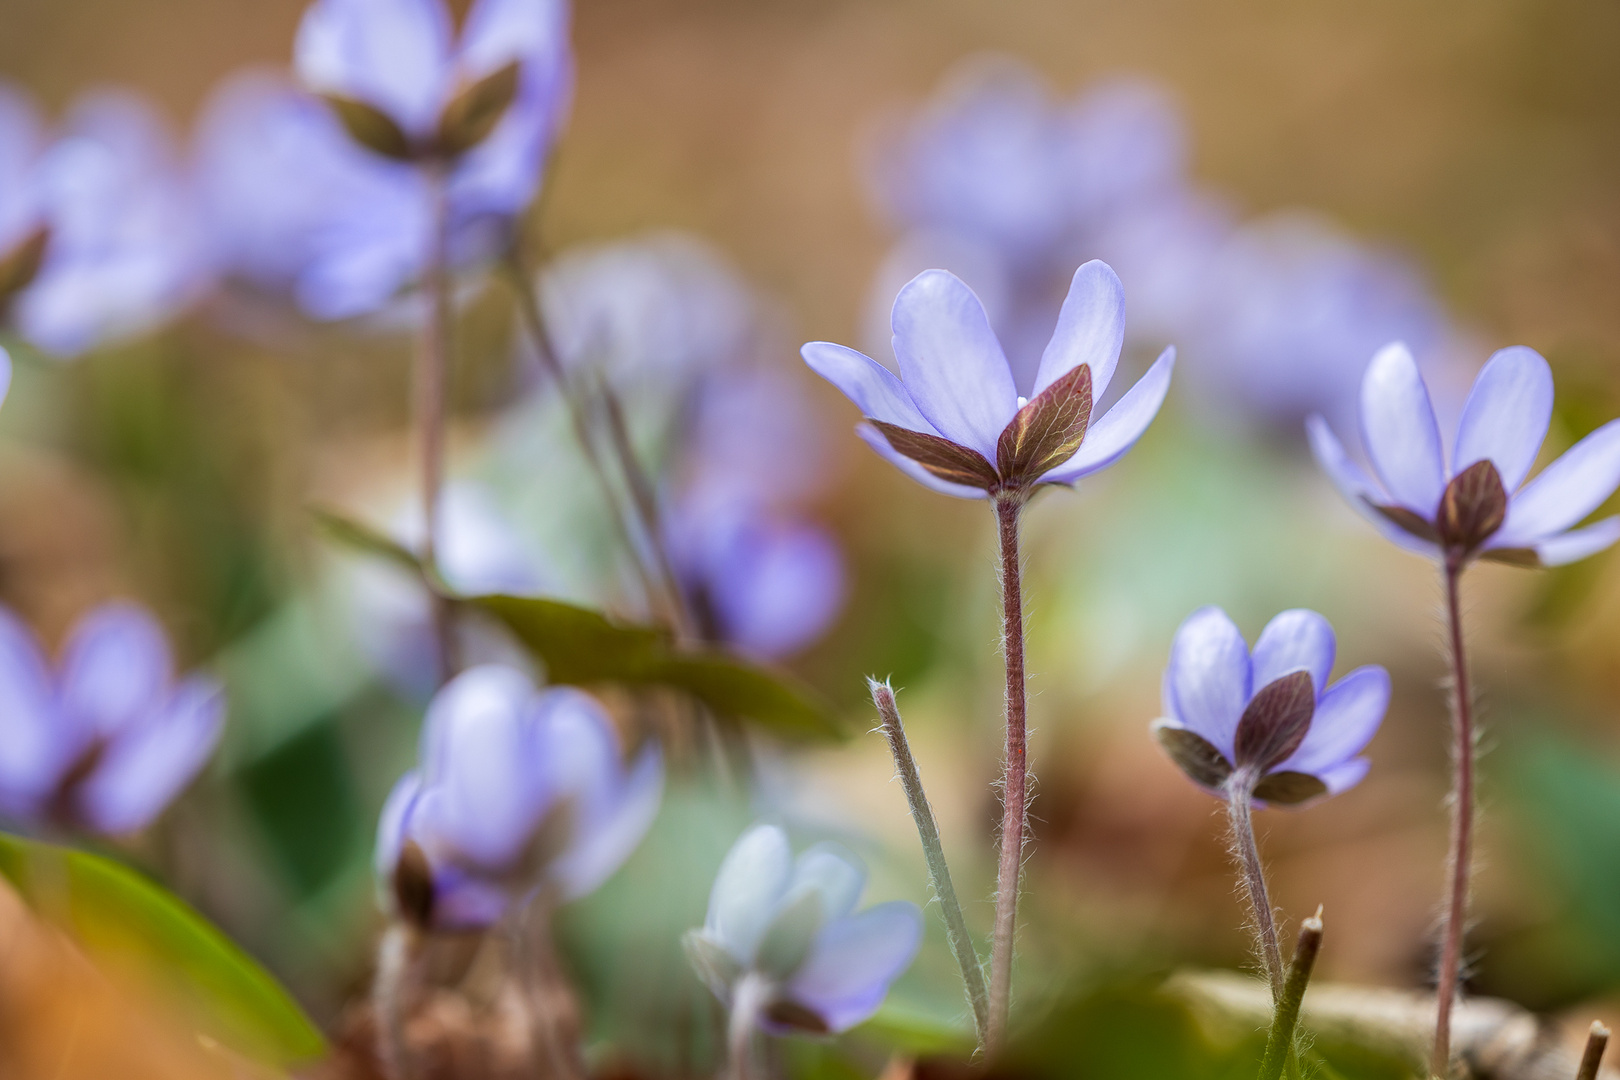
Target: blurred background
1291	187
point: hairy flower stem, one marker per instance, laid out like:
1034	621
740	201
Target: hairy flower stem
656	582
1285	1016
1597	1041
396	954
747	1002
1462	824
1014	792
432	383
1252	875
939	873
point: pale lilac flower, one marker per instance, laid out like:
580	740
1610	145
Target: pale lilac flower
782	936
479	551
109	738
664	307
1469	502
97	232
760	580
518	790
1292	307
1268	719
956	421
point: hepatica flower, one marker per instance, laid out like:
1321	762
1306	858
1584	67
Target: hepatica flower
107	739
97	237
517	790
783	940
1269	720
1473	502
954	419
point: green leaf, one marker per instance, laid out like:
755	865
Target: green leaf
130	924
579	646
349	533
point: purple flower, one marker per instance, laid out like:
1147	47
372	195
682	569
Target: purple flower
1291	308
1270	719
108	739
97	236
479	551
1471	503
956	421
782	935
517	790
759	580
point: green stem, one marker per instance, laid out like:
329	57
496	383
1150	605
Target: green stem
939	873
1285	1017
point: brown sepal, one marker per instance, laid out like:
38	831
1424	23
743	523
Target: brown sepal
475	110
1514	556
1472	507
1046	432
1194	755
943	458
1403	518
791	1014
413	886
19	266
1289	788
1275	722
372	128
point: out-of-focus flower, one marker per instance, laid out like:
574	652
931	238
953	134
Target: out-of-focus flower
109	738
663	307
1289	314
297	204
1268	720
764	582
956	421
517	790
478	551
1471	504
97	236
783	940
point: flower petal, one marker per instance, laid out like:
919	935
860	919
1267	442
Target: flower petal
115	670
1090	329
143	769
874	389
34	745
853	961
1356	487
1399	431
1564	492
479	762
604	839
1577	544
534	32
748	889
1297	640
1342	778
1119	428
1208	682
1506	416
394	54
1346	719
834	872
874	438
393	824
951	362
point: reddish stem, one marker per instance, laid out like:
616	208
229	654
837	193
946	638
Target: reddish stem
1015	807
1462	825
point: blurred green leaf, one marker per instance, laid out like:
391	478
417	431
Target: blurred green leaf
121	918
580	646
302	795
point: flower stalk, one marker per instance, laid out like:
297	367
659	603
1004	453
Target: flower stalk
1252	876
747	1003
1015	804
1285	1018
396	956
432	383
1462	823
1597	1041
939	872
